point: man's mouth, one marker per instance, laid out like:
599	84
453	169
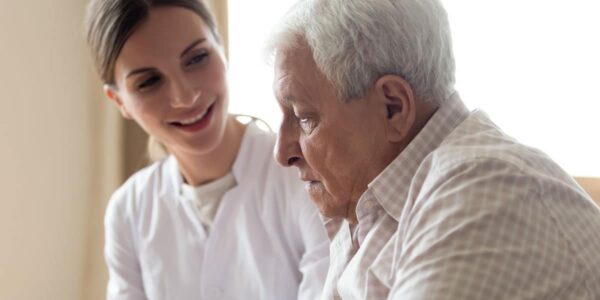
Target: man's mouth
314	187
312	183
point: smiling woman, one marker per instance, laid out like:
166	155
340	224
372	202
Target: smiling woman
206	210
140	89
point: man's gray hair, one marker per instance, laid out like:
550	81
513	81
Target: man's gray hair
355	42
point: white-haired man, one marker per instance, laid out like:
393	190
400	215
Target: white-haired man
422	198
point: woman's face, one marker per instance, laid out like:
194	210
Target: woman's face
170	78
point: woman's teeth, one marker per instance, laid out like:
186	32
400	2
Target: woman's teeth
194	119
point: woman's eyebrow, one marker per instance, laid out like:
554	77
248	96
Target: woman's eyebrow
192	45
138	71
184	52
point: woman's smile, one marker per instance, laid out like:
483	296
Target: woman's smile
196	123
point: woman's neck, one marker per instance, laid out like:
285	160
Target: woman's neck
198	169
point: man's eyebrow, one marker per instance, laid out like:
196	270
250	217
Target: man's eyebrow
284	91
288	100
192	45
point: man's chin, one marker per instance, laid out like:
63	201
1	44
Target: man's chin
332	212
324	201
328	209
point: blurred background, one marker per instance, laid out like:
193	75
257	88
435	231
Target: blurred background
532	65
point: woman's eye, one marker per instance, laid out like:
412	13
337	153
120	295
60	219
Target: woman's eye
148	82
197	59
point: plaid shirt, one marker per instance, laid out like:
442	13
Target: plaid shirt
466	212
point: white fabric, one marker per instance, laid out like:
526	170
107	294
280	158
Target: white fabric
206	198
465	212
267	240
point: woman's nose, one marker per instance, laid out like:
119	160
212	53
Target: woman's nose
184	94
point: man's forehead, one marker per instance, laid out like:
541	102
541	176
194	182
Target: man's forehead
296	74
284	89
287	68
294	57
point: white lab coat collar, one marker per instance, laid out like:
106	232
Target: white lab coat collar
242	166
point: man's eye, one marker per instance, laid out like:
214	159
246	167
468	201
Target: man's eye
306	124
197	59
148	82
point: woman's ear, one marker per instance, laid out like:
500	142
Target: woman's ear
112	94
397	95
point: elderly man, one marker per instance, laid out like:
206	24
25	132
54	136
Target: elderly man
422	198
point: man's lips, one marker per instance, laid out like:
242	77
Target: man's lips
307	179
311	183
314	187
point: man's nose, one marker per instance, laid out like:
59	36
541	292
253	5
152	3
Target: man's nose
287	148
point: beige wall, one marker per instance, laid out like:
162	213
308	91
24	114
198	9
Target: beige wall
592	186
55	158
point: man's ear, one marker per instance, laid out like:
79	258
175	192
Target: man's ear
397	95
112	94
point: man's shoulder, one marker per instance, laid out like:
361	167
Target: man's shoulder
478	141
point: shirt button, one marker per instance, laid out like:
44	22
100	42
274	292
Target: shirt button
369	204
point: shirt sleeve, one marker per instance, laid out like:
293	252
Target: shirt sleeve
481	231
314	262
125	280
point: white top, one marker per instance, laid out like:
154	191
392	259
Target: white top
466	212
206	198
267	240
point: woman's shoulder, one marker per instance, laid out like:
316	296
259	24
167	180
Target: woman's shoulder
255	154
256	158
261	171
258	137
144	183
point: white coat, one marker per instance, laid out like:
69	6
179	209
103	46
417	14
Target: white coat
267	240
